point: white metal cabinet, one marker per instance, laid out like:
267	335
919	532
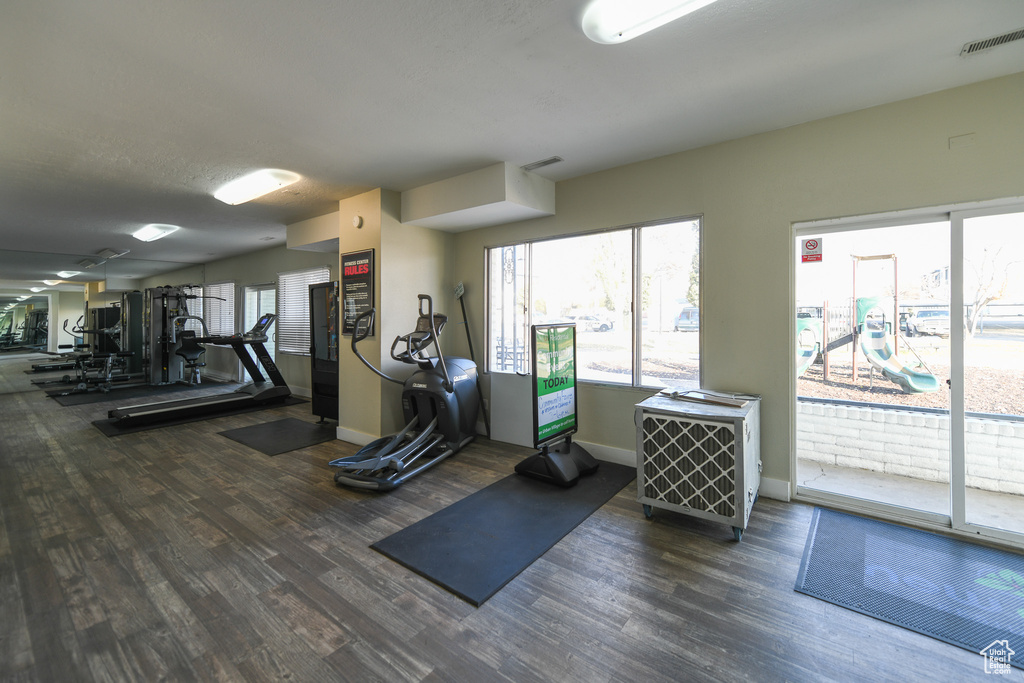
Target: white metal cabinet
699	459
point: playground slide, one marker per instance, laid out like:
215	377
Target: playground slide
808	343
876	343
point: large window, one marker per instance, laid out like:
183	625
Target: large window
293	308
632	292
219	307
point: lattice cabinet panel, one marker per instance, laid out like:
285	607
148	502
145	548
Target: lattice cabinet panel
699	459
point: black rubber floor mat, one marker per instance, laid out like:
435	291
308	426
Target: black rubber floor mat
281	436
962	593
477	545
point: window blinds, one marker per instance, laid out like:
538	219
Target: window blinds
219	307
293	308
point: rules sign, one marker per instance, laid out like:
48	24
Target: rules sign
356	287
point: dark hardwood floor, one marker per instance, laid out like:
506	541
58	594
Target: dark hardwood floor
178	554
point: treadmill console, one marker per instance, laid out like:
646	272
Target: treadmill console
259	330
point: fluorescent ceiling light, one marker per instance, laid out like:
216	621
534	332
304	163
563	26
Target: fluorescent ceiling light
616	21
36	289
51	283
154	231
255	185
68	273
22	298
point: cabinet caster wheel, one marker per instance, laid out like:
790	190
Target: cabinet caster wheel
737	533
648	511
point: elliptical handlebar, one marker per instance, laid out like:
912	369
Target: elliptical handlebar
433	337
358	336
416	342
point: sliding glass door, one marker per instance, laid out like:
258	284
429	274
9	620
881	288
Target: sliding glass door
910	368
873	404
993	314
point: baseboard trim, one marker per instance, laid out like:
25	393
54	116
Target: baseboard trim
776	489
622	456
352	436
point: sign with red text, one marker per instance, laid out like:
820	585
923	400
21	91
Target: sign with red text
356	288
810	250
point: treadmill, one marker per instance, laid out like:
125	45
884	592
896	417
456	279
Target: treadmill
259	391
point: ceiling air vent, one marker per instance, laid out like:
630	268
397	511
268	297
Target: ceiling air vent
542	163
989	43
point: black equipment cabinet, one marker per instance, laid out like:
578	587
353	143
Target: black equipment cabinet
323	350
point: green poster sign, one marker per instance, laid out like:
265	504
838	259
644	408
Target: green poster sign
554	373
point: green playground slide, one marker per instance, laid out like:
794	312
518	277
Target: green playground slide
876	343
808	343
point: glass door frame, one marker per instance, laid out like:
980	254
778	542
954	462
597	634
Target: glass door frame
956	521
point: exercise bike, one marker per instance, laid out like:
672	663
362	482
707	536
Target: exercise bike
439	403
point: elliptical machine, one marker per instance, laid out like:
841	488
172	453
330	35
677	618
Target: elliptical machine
439	403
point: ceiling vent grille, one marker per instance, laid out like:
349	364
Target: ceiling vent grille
542	163
989	43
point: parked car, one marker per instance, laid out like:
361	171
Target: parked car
929	321
591	323
688	319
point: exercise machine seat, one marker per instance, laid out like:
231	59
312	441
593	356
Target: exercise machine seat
190	351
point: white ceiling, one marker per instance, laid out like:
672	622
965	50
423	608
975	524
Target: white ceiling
115	114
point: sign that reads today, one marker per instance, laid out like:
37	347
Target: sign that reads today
554	372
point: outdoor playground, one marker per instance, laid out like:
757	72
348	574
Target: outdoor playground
885	337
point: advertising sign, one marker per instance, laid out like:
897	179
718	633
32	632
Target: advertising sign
356	287
554	381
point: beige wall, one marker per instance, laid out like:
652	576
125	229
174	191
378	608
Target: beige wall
414	261
750	192
408	261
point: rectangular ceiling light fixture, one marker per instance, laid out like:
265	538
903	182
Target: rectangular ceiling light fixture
255	185
36	289
68	273
610	22
154	231
51	283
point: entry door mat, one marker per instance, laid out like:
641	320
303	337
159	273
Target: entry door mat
110	427
281	436
119	393
962	593
477	545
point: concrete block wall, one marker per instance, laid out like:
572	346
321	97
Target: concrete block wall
910	444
